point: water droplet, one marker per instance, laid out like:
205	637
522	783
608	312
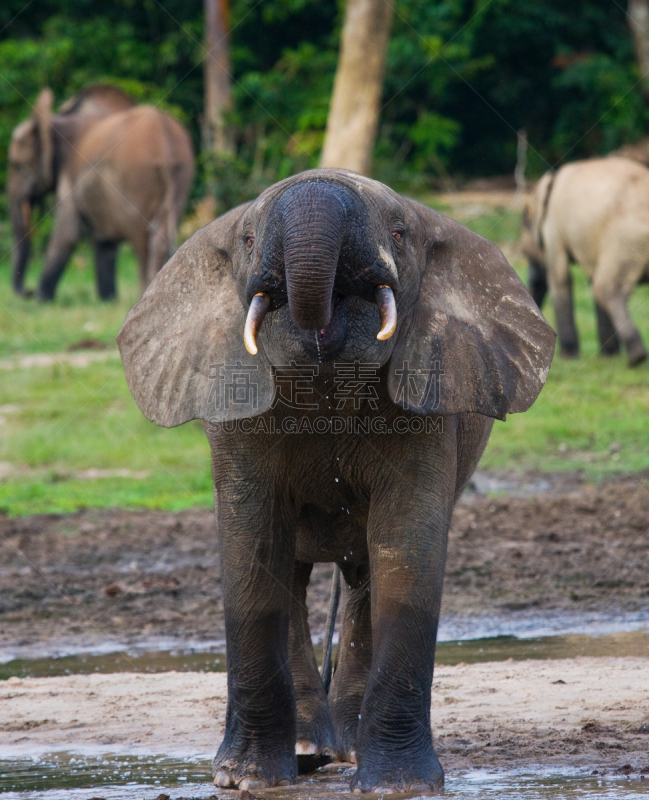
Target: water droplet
351	645
336	479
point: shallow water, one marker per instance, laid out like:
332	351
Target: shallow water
59	776
471	651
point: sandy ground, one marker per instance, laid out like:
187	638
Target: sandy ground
580	714
82	580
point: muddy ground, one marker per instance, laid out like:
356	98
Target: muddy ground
77	581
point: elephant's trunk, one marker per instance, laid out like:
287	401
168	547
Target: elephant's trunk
314	233
20	212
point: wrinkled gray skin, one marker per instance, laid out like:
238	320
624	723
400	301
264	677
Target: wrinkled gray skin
119	173
376	503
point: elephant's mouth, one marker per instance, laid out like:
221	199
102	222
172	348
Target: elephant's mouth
326	343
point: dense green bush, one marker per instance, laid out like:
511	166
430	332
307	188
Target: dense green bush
463	76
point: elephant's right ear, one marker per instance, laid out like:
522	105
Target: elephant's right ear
182	343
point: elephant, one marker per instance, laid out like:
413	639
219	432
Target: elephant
347	350
594	213
119	171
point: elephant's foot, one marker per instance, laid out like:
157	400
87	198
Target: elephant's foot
569	350
636	352
247	770
610	347
226	780
384	776
345	749
314	746
315	733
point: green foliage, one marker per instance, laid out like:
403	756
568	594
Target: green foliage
602	90
462	77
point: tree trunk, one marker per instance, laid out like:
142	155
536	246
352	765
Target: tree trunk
218	88
354	110
638	12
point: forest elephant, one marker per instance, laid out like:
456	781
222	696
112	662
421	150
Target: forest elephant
119	172
347	349
595	214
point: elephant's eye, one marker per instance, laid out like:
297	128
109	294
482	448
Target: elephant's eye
398	235
250	240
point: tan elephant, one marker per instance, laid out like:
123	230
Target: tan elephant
120	173
596	214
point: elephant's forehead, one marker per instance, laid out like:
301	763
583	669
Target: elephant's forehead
362	186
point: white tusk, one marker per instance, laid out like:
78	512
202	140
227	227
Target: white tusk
384	297
256	313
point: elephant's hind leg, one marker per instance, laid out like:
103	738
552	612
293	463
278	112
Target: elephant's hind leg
61	246
612	287
315	736
353	659
609	344
159	249
105	265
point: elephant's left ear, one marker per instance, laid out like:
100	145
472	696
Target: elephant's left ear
182	343
475	340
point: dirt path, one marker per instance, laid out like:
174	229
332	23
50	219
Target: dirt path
580	714
84	580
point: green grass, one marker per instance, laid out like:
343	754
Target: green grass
59	421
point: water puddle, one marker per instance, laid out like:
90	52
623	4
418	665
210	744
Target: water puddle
129	661
469	651
529	623
70	776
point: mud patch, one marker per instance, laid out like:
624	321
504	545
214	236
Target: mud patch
81	581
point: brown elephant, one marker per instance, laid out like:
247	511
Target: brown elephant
343	427
596	214
120	172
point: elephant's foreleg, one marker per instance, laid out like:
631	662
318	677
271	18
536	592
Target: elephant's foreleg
564	313
105	267
353	659
560	281
407	534
257	551
315	737
61	246
609	344
538	282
